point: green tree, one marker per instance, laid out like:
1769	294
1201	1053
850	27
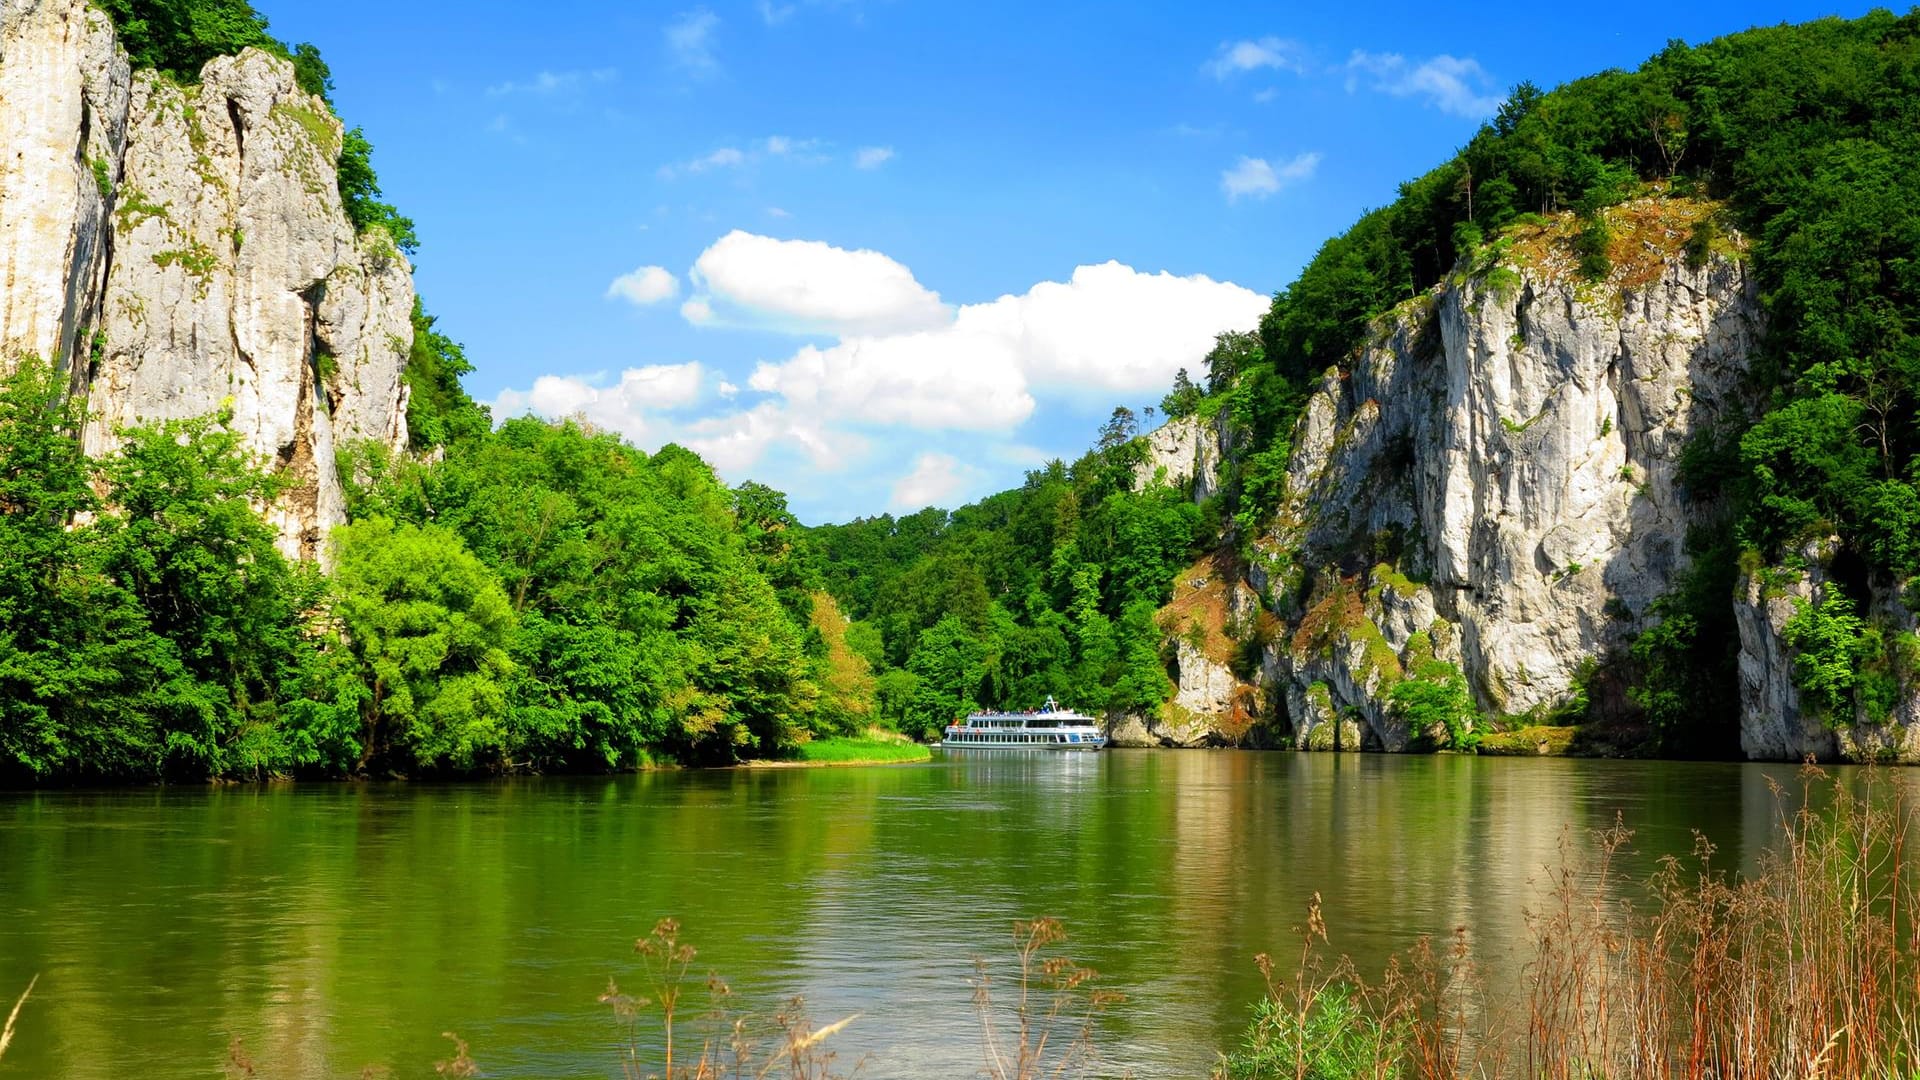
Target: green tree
182	537
427	625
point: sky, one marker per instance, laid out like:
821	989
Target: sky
884	254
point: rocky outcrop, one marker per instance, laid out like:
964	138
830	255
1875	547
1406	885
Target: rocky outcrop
182	250
1210	705
1778	722
1506	449
1186	453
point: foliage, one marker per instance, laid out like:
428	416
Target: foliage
1838	659
427	625
1335	1040
1691	652
1436	706
1048	589
846	750
149	630
543	596
360	194
178	37
439	412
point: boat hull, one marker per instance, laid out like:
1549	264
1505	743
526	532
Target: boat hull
1037	748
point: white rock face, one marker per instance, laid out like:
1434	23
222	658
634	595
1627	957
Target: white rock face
1186	453
64	87
221	272
1516	438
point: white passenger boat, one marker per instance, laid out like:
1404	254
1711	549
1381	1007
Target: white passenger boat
1051	728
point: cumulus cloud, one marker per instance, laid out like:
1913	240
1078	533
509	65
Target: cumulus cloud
1109	330
1275	53
630	406
1451	84
932	379
648	406
890	400
690	41
1258	178
806	286
935	480
872	157
738	441
644	286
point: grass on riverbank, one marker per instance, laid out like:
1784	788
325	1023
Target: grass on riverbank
850	750
1808	968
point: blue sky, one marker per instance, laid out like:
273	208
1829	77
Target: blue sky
886	253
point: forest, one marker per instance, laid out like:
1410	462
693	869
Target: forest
542	596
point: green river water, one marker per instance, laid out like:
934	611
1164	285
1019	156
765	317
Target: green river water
336	925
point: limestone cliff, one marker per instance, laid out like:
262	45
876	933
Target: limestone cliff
1186	453
1489	486
178	249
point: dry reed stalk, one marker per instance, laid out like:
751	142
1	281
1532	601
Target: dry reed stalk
1054	1037
734	1045
6	1033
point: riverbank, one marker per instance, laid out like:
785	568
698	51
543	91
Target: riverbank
846	751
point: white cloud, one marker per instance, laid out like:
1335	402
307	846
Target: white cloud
1257	178
928	413
738	441
775	14
647	406
1110	330
690	41
727	157
776	212
646	285
782	147
872	157
936	480
1251	55
629	406
549	84
806	286
1451	84
932	379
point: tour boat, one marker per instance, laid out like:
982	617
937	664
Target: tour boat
1051	728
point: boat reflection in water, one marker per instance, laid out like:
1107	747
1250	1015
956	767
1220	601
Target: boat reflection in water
1051	728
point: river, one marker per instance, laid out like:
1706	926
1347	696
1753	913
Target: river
335	925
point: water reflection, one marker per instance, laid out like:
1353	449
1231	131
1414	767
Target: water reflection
335	925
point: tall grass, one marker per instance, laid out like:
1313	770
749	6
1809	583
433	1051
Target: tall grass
1805	968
